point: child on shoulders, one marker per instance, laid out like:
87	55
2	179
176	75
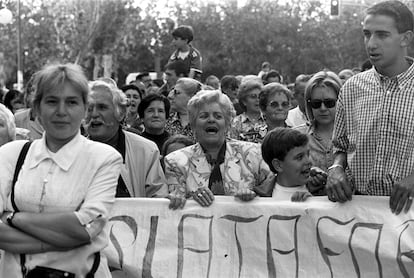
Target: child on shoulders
286	151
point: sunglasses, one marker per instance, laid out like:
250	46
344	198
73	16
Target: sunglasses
317	103
275	104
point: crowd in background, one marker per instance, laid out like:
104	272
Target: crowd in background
242	136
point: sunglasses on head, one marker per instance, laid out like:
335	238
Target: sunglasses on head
317	103
275	104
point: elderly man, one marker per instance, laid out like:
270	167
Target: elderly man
374	127
141	174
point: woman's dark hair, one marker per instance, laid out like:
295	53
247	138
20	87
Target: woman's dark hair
279	142
10	95
229	82
146	102
132	87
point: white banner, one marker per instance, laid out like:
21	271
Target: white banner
261	238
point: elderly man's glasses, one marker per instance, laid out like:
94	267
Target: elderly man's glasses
275	104
317	103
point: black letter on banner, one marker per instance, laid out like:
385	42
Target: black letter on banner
242	220
270	263
326	252
372	226
409	254
180	257
149	252
132	224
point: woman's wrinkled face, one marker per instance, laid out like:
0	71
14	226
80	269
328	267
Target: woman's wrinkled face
134	100
277	108
210	125
179	98
252	101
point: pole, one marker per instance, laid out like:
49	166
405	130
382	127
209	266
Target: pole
19	50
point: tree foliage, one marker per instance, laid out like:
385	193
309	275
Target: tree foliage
128	36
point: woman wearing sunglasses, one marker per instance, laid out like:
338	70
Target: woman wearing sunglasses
274	101
321	94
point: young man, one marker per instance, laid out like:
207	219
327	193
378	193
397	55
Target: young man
286	151
182	37
374	127
173	71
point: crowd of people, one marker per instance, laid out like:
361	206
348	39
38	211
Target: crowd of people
86	143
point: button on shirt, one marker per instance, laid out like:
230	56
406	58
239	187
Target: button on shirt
374	126
81	177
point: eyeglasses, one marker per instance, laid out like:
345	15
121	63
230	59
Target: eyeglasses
317	103
275	104
253	96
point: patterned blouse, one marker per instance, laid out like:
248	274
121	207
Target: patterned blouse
245	129
173	127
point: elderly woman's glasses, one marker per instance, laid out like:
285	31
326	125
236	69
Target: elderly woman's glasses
275	104
253	96
317	103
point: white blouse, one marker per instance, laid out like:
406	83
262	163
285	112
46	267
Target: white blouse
81	177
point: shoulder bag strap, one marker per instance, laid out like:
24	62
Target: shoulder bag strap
96	262
19	165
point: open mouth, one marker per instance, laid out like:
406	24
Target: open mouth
212	130
374	56
96	124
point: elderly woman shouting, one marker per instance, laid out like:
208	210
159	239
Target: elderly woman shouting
214	165
56	194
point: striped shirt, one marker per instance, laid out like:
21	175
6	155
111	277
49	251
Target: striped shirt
374	126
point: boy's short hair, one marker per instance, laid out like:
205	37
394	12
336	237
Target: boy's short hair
402	16
179	67
178	138
184	32
278	142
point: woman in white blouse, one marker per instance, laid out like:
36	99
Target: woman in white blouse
53	222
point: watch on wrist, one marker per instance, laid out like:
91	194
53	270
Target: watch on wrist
10	219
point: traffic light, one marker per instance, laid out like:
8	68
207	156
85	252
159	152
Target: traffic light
334	7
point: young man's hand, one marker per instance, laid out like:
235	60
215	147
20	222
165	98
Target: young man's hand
337	187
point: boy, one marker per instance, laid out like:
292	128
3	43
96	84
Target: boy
182	36
286	151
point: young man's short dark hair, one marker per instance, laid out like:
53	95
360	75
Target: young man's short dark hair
184	32
132	87
141	75
179	67
402	16
146	102
278	142
272	74
229	82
